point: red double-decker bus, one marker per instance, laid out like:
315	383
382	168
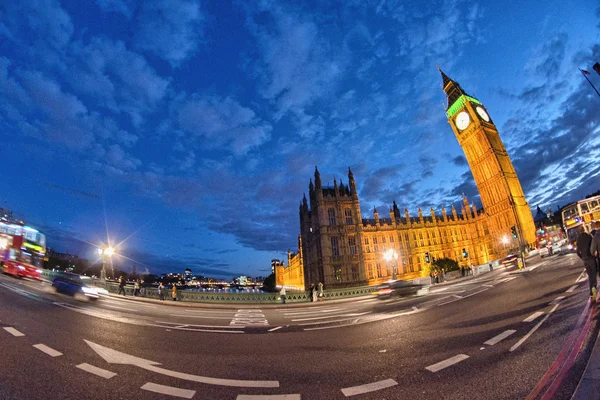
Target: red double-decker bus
22	250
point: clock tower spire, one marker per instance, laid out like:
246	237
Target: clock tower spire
497	182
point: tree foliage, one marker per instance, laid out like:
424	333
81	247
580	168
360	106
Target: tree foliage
440	265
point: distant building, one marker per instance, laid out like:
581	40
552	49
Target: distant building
274	264
187	274
7	216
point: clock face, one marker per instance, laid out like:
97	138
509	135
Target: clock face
462	120
484	116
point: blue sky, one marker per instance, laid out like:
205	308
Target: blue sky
192	127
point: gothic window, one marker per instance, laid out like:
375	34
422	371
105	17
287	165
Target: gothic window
355	272
331	215
366	240
348	215
335	251
375	240
370	269
391	239
378	266
352	244
421	235
383	239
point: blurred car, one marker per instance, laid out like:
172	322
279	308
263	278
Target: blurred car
72	285
510	260
400	288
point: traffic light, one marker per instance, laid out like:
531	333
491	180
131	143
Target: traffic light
427	257
465	254
513	229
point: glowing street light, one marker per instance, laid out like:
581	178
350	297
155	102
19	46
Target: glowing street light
392	255
104	253
505	239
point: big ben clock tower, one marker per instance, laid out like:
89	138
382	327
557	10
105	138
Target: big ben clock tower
497	182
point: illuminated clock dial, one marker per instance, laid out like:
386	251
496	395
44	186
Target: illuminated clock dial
462	120
484	116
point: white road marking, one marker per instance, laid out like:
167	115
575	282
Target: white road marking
245	317
532	268
211	312
556	300
415	308
500	337
447	363
315	312
268	397
116	357
199	326
581	277
490	286
457	296
326	322
120	308
569	290
331	316
369	387
13	331
367	300
48	350
169	390
533	316
274	329
510	278
96	371
520	342
448	302
473	294
197	316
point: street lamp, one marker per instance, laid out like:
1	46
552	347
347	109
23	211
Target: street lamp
104	253
390	255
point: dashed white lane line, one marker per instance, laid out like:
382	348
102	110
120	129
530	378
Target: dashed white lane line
556	300
268	397
447	363
535	328
581	277
274	329
315	312
169	390
183	324
569	290
369	387
13	331
48	350
490	286
327	322
500	337
197	316
96	371
533	316
457	296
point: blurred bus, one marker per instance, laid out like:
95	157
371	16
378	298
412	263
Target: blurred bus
581	213
22	250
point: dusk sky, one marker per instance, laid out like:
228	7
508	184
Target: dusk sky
195	126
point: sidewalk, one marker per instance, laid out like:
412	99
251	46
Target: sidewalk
589	386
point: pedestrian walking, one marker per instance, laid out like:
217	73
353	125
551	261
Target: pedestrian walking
584	251
435	274
136	287
161	292
596	235
174	292
491	267
320	287
121	285
282	294
462	271
312	292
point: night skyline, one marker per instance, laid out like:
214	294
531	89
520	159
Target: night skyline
197	126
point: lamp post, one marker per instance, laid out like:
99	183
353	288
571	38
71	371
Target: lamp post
104	253
390	255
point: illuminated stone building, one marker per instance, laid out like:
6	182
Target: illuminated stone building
339	247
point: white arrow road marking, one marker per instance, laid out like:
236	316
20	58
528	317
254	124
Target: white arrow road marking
500	337
369	387
520	342
268	397
446	363
96	371
13	331
556	300
116	357
533	316
169	390
48	350
569	290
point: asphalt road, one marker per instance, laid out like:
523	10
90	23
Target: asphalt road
488	337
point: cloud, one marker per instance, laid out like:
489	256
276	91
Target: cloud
125	7
459	161
169	29
76	192
222	123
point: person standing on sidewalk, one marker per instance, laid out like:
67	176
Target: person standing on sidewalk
282	294
596	236
174	292
121	285
320	287
584	243
161	291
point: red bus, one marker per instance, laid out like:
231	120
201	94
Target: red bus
22	250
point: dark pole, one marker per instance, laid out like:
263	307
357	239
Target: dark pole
590	82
